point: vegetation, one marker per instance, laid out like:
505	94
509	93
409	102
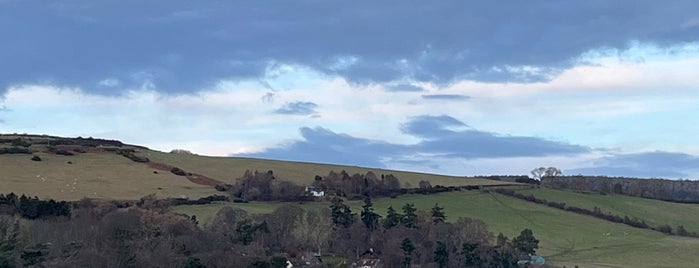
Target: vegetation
669	190
652	212
441	219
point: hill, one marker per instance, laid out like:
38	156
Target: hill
566	238
74	168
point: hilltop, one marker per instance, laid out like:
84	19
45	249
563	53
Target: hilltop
74	168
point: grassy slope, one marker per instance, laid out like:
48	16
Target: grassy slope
566	238
110	176
226	169
94	175
654	212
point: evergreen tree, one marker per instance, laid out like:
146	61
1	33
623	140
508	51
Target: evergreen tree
441	255
409	217
469	253
408	248
246	230
526	243
393	219
369	217
438	214
341	214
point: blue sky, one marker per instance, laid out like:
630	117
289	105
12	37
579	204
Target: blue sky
452	87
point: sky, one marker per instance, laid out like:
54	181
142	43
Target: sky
462	88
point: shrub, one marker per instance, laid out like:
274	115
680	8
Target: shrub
178	171
63	152
14	150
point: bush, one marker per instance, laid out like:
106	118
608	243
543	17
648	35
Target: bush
64	152
14	150
178	171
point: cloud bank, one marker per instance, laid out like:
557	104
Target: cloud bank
179	46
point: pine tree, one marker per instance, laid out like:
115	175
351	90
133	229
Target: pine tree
341	214
393	219
408	247
369	217
441	254
438	214
409	216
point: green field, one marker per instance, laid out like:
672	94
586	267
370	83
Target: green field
566	238
653	212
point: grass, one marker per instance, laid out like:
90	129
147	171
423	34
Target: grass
653	212
566	238
110	176
93	175
227	169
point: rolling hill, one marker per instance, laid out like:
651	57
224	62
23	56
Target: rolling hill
97	168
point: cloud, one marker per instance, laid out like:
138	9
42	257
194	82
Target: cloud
658	164
109	82
184	48
297	108
404	88
441	136
453	97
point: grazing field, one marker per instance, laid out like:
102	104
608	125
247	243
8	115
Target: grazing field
93	175
566	238
653	212
227	169
110	176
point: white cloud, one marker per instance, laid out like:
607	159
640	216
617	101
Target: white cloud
109	82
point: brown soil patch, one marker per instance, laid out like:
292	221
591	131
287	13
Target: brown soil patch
195	178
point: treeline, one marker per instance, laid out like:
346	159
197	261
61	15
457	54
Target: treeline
598	213
668	190
264	186
32	208
105	234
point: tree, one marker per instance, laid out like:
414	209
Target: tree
341	214
393	219
369	217
526	243
552	172
541	172
246	230
409	217
438	214
278	262
408	247
441	254
469	253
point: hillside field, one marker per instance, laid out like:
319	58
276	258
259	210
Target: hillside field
566	238
106	175
653	212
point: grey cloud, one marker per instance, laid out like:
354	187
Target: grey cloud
657	164
438	138
297	108
404	88
454	97
187	47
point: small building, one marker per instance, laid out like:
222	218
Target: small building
533	260
369	259
315	191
